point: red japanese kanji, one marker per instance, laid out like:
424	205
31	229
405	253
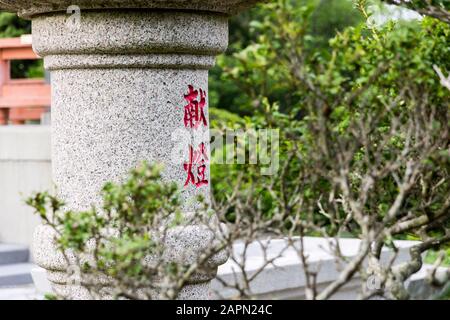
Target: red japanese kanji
196	166
194	114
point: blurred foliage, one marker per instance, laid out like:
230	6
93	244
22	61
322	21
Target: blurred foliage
276	75
120	235
12	26
30	69
324	19
433	255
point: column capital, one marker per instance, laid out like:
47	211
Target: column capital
130	38
29	9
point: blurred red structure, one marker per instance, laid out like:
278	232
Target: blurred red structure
20	99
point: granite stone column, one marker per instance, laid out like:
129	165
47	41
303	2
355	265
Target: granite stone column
123	74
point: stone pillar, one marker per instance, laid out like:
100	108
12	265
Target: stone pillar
122	75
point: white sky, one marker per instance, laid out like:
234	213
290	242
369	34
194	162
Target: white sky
391	12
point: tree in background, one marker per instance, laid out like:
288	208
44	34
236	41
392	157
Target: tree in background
328	18
325	18
439	9
13	26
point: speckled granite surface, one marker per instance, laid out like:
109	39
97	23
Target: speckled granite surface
28	8
131	32
107	121
119	86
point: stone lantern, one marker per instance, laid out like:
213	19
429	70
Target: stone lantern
123	73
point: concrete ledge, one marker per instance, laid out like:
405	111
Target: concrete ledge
25	168
20	293
11	254
284	279
39	276
15	274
